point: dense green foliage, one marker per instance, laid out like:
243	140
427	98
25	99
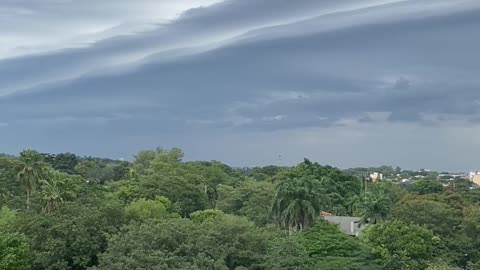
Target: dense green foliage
14	251
401	246
332	249
62	211
427	187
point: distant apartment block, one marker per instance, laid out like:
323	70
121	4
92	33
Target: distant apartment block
475	177
472	174
376	177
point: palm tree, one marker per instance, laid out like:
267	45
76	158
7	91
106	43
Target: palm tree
30	168
52	191
352	204
377	205
298	202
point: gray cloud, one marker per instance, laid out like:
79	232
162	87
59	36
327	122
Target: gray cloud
252	72
206	28
37	26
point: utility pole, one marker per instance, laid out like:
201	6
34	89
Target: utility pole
279	160
365	185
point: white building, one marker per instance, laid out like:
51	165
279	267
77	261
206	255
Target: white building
472	175
376	177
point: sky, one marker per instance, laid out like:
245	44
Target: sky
248	82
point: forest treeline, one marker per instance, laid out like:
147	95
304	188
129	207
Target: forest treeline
62	211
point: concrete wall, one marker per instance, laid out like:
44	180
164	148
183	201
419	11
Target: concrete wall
349	225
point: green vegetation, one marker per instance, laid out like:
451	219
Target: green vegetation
62	211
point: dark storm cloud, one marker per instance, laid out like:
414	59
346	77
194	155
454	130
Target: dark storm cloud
200	28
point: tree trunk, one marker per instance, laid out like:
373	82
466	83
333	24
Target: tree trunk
28	200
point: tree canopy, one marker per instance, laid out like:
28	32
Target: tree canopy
63	211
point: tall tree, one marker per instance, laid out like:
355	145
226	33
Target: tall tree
30	168
52	191
352	204
376	206
337	185
64	162
298	202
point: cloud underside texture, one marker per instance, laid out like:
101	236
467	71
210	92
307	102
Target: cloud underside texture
350	84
